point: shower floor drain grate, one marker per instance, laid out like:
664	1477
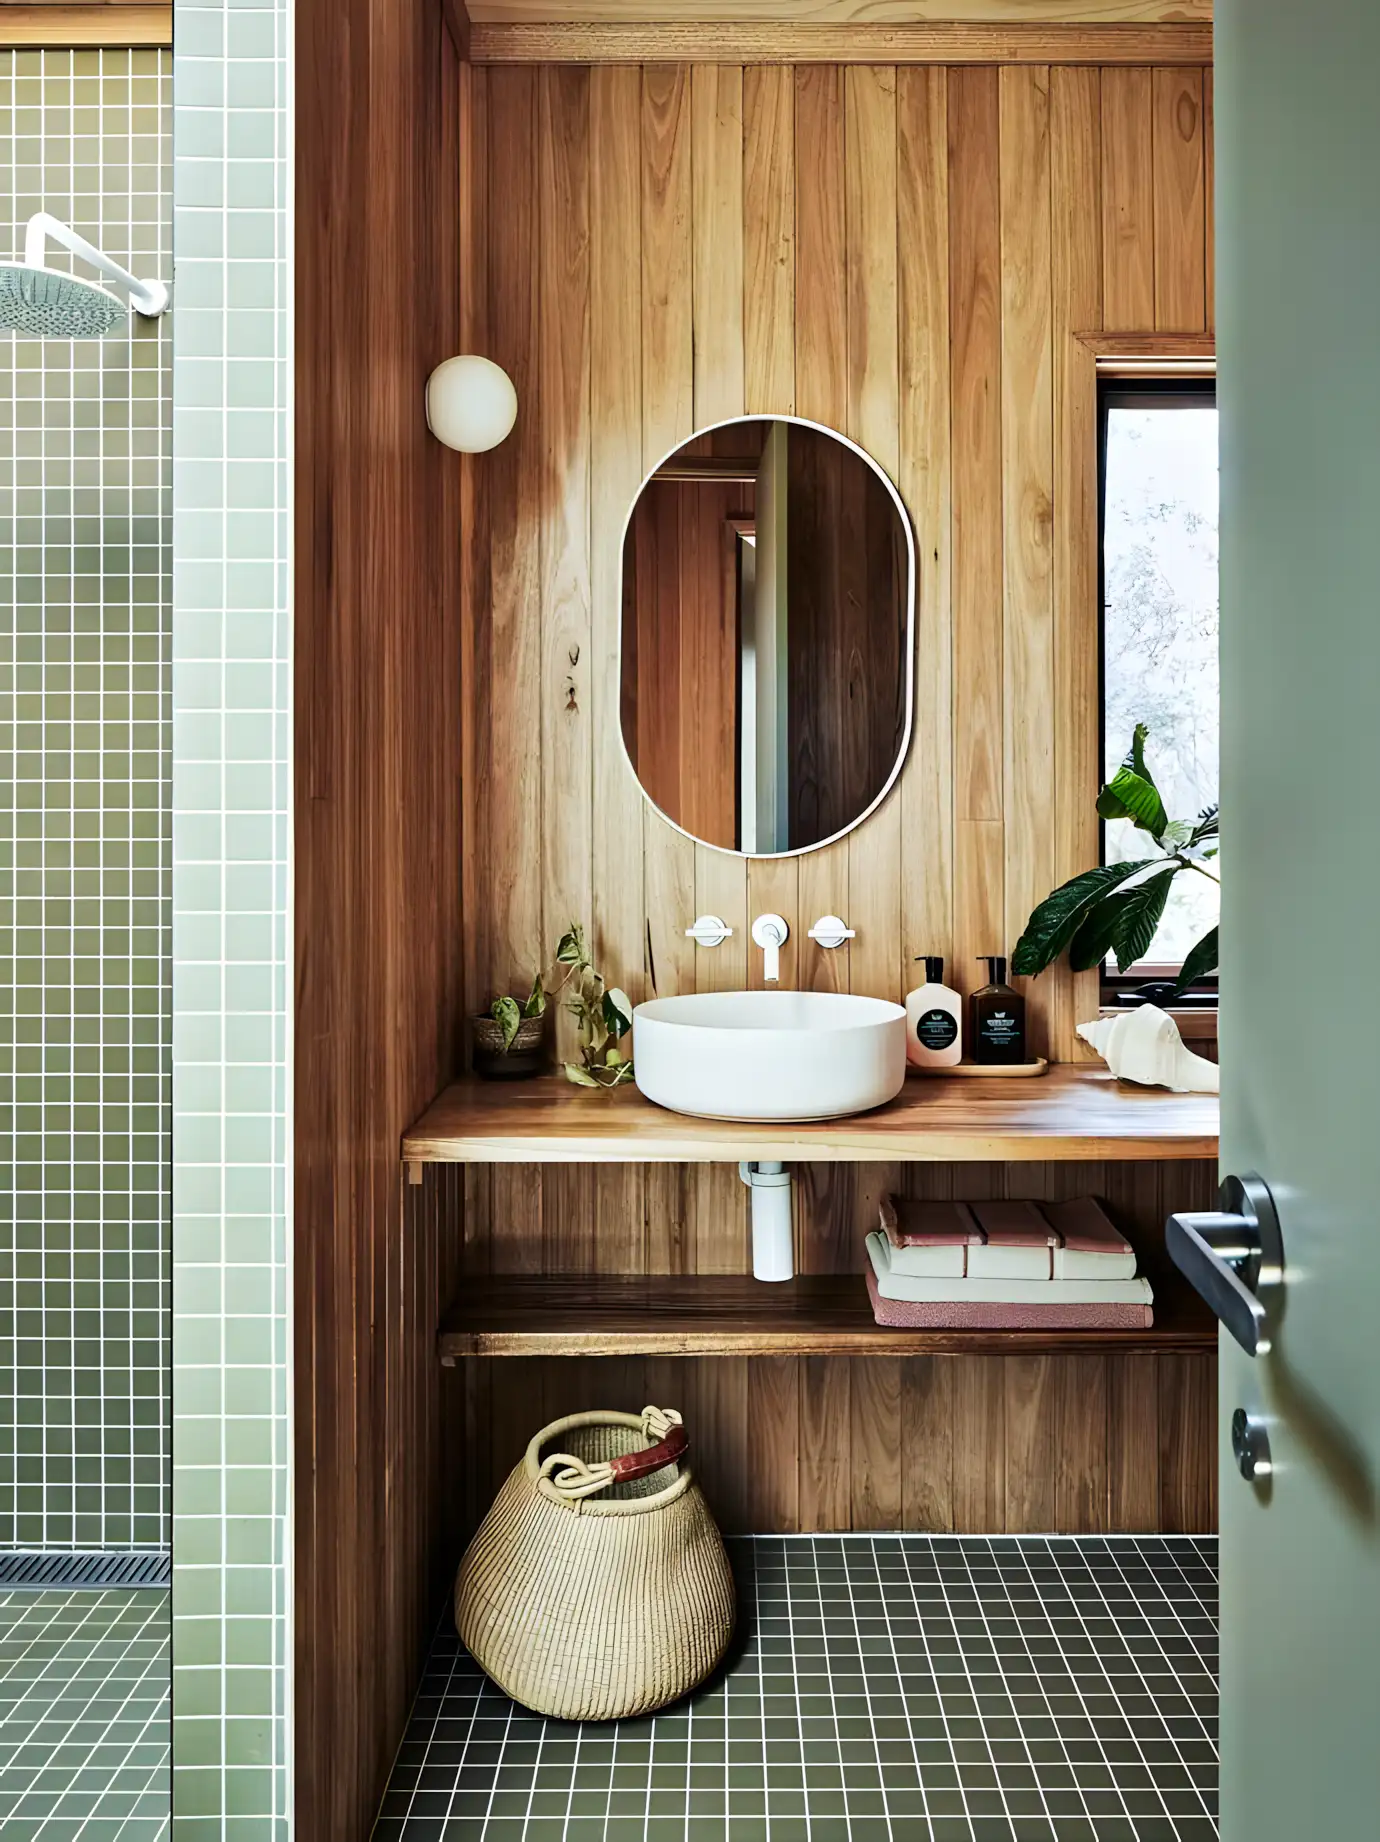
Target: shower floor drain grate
47	1571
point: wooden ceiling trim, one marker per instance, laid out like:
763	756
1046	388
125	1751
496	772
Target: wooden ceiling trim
717	42
840	12
457	18
64	27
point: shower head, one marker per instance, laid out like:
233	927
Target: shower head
48	304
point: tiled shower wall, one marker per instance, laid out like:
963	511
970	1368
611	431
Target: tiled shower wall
85	559
232	700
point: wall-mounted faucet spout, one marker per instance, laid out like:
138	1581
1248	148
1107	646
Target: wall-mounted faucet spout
771	933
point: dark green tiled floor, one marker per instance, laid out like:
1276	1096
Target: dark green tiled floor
84	1725
883	1689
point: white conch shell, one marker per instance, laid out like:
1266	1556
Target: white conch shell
1144	1045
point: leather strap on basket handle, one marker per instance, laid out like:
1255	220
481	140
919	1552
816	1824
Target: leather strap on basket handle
652	1458
575	1480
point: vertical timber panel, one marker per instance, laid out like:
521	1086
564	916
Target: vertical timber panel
1027	464
975	360
874	850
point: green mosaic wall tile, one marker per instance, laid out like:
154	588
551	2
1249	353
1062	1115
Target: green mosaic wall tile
85	835
231	888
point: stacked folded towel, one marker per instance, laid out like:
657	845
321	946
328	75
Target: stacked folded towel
1003	1265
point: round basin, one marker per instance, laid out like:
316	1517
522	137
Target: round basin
769	1054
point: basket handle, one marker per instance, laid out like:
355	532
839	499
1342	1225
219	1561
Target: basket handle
572	1479
651	1458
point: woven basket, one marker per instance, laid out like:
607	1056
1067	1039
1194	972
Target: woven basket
597	1587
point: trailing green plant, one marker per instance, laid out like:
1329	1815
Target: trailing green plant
507	1013
602	1013
1116	907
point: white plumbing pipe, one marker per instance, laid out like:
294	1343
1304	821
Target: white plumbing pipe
149	298
773	1251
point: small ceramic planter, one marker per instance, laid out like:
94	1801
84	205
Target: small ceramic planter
526	1057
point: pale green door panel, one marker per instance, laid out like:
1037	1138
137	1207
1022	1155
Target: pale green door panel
1298	265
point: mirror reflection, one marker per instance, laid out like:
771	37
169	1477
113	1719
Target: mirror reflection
768	592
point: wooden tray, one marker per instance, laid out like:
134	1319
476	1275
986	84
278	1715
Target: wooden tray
985	1071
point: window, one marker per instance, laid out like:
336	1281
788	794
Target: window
1159	622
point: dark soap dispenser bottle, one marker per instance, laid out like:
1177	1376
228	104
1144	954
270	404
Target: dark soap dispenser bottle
998	1018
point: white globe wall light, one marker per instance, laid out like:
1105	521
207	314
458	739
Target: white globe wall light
471	404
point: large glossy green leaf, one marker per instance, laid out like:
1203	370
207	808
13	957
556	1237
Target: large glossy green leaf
1131	793
1128	795
1097	930
1058	918
1201	961
1138	915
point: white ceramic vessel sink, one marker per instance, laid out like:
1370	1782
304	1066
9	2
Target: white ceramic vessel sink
769	1054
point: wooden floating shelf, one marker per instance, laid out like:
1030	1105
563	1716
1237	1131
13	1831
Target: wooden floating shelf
571	1314
1076	1112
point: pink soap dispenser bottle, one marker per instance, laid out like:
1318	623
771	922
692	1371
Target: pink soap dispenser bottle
934	1020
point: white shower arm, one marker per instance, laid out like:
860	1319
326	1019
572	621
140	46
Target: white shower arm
149	298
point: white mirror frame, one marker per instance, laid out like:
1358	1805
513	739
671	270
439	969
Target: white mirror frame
822	428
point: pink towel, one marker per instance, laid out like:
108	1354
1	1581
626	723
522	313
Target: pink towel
1082	1226
928	1224
896	1315
1013	1224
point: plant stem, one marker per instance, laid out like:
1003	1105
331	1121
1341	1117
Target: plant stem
1189	865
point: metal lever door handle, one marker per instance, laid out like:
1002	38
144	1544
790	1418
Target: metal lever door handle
1234	1258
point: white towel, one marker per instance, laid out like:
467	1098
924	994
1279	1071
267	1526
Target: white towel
911	1289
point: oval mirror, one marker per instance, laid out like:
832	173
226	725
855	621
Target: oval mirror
767	636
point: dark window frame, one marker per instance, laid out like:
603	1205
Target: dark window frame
1192	392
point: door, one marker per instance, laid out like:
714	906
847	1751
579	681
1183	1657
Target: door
1298	266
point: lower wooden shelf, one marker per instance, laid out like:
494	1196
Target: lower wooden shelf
568	1314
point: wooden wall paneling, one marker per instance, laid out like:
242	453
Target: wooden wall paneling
1128	201
618	936
1188	1444
567	654
1081	1455
1180	206
969	41
825	1444
667	419
822	395
875	1450
927	1442
378	906
1075	307
564	505
773	1419
769	237
476	662
870	247
513	909
926	784
1209	207
668	380
728	1452
975	361
1133	1443
1027	468
717	268
516	1224
717	184
769	320
617	466
1031	1419
979	1452
825	266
